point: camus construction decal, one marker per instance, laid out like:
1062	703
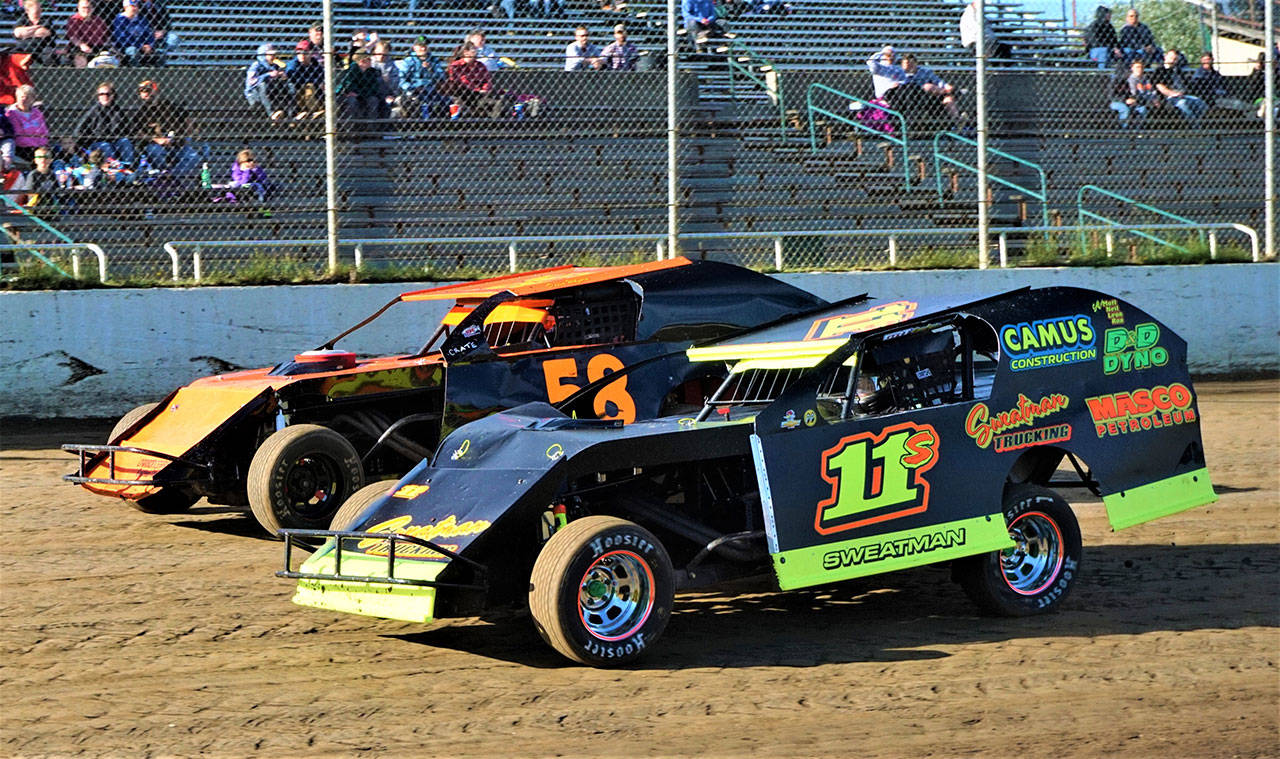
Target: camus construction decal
1141	409
1049	342
985	428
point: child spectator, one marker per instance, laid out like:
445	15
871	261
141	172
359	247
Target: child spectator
360	89
246	174
1141	89
620	55
90	173
266	84
133	36
306	79
1124	102
29	129
86	34
41	184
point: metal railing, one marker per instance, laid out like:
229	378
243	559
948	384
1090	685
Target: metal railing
939	158
742	61
811	109
1082	214
74	247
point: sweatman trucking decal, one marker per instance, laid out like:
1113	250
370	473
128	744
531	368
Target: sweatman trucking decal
985	427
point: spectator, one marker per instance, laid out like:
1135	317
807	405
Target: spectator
471	86
360	89
700	22
91	172
995	48
581	54
29	129
31	34
1101	41
246	174
1124	101
1137	41
1171	82
105	127
306	79
315	35
1141	90
620	55
86	34
266	83
1206	83
133	36
362	41
485	54
886	75
166	133
908	86
388	76
420	77
157	17
928	88
41	184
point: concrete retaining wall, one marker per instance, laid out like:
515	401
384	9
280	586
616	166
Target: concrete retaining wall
97	353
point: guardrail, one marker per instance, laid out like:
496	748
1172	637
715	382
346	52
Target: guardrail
1082	214
811	109
741	60
74	247
939	158
891	237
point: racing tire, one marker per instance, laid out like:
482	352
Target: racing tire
601	591
1037	574
168	500
129	419
358	502
300	476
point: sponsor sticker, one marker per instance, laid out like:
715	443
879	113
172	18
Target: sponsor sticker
446	528
983	426
1043	343
1143	409
1130	350
1111	308
840	325
810	417
789	421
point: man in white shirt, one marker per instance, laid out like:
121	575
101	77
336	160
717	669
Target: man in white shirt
582	54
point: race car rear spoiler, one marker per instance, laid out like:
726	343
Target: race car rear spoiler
308	537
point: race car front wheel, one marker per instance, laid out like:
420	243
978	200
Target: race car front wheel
169	500
357	503
300	476
601	590
1035	575
128	420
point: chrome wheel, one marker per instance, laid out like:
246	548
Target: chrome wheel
615	595
1034	562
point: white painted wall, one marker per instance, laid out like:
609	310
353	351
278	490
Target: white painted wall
98	353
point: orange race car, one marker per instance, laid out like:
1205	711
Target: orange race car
293	441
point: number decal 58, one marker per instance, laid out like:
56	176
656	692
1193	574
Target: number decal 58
611	402
877	476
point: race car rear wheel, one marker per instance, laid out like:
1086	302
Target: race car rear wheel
601	590
1035	575
129	419
347	514
300	476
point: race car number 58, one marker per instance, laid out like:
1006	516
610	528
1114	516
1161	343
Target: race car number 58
561	375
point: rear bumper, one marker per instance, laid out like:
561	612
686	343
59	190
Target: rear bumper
374	574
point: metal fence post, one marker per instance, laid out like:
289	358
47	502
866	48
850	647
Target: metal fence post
777	253
195	265
673	189
1269	141
330	137
980	51
511	256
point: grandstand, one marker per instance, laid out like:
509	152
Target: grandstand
595	161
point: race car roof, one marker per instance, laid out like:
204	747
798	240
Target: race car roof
542	280
802	343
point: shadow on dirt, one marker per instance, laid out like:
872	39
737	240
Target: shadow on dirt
229	521
915	615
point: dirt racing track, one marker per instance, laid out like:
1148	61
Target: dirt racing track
127	634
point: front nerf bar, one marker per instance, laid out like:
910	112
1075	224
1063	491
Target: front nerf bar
82	451
392	538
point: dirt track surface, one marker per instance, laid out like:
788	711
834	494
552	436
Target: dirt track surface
127	634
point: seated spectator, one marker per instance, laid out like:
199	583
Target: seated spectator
266	83
927	88
31	34
247	175
157	17
886	75
133	36
305	75
485	54
995	47
1206	83
86	35
1100	39
420	77
1137	41
166	134
471	86
41	184
1141	88
1124	101
91	172
620	55
362	41
29	130
388	78
360	89
582	54
1171	82
700	22
315	35
105	127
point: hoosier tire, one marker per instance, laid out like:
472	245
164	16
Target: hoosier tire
300	476
601	590
1035	576
358	502
168	500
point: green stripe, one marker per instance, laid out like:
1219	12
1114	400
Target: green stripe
409	603
1159	499
829	562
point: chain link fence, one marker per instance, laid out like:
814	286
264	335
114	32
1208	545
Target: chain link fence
471	138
